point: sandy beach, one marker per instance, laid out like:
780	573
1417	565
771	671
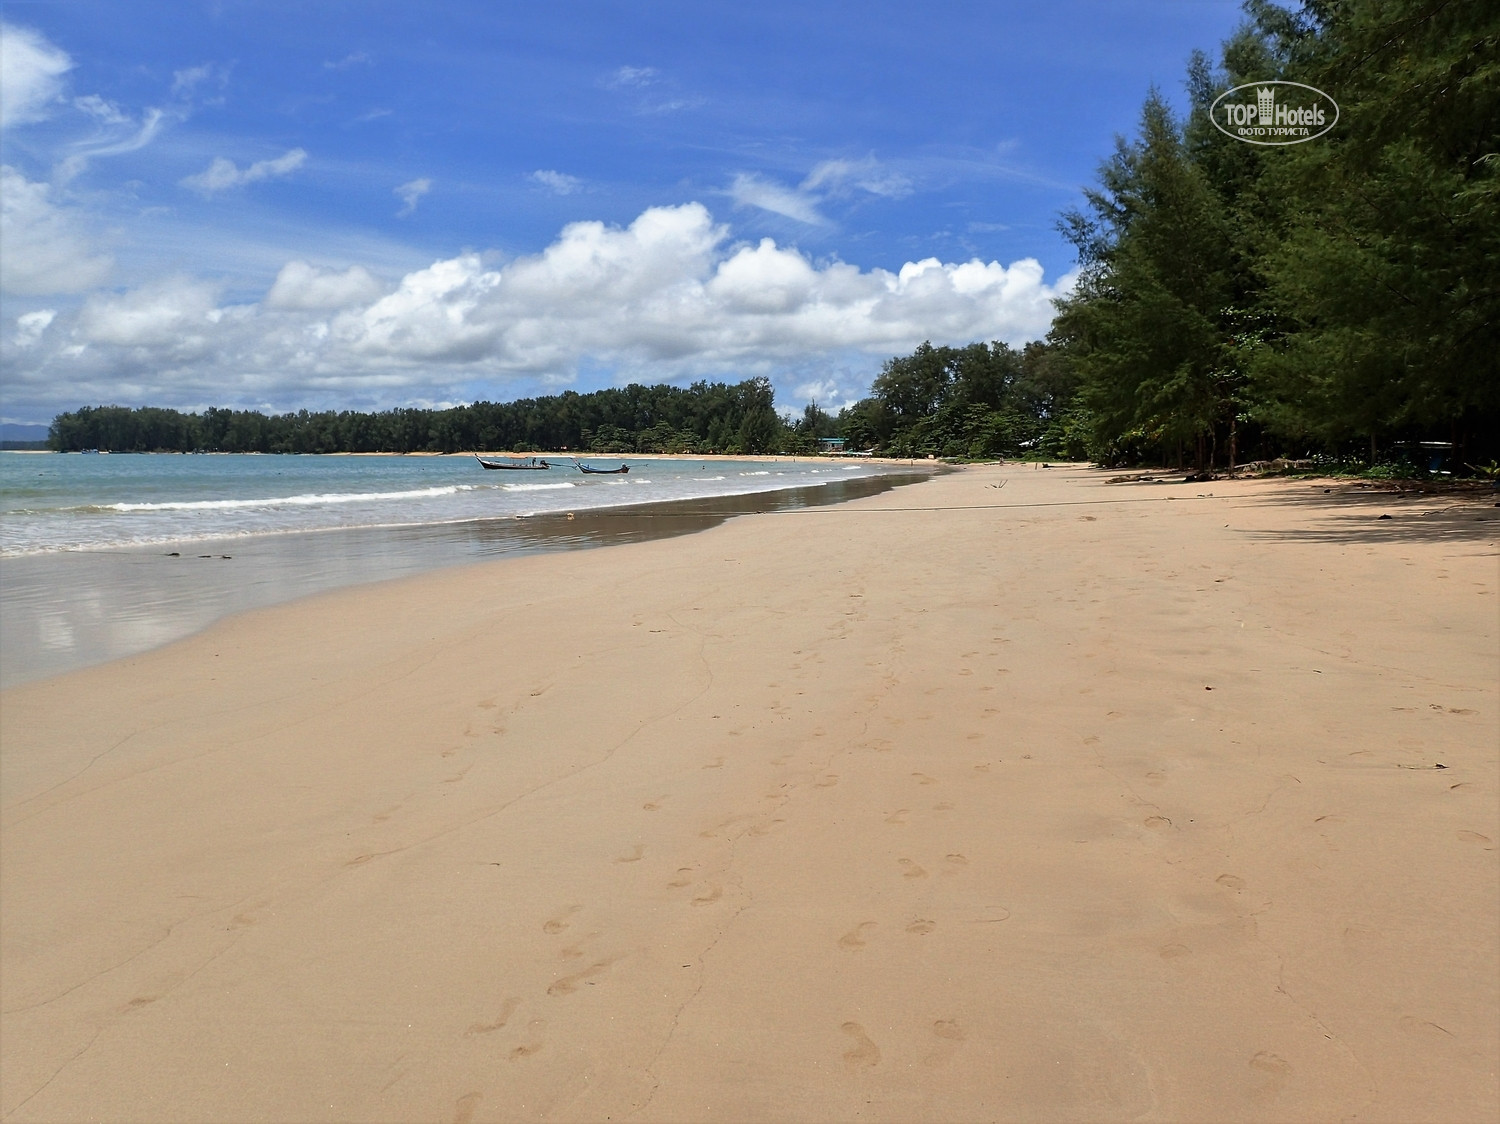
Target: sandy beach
1009	795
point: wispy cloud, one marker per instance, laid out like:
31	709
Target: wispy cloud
558	182
31	70
371	115
47	246
187	80
151	124
632	76
357	58
409	193
222	174
843	177
752	191
106	113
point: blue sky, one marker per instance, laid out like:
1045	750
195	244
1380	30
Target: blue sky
370	204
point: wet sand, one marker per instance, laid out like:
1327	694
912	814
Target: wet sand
1012	795
66	610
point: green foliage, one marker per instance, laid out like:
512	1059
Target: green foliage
1331	296
979	402
704	418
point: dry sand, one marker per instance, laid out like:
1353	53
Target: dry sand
1012	795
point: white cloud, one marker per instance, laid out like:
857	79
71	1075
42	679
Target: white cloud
632	76
559	182
839	177
409	193
353	59
31	71
150	126
46	250
31	325
222	174
302	286
106	113
172	317
184	82
669	296
752	191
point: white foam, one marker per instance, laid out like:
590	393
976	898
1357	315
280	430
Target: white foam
308	500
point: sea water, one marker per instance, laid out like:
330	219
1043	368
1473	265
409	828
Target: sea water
107	555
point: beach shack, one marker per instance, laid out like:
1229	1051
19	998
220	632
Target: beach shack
830	444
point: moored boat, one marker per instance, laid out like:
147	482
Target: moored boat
532	464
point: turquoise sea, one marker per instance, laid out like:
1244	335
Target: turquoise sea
106	555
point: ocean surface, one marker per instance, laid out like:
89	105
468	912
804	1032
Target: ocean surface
104	556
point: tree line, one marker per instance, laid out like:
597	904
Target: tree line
1339	296
703	418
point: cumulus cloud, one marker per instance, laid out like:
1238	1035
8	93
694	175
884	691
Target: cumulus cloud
559	182
409	193
222	174
46	248
752	191
172	317
31	70
31	325
303	286
671	295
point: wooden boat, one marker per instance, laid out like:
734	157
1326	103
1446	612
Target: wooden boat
532	464
604	471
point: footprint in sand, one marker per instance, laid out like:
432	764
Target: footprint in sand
653	805
684	878
949	1034
898	817
709	896
463	1110
1231	882
631	856
1473	837
766	828
910	869
567	985
526	1049
923	778
1157	823
560	922
1157	779
1273	1070
507	1009
864	1053
1174	951
855	937
921	926
956	859
943	806
828	780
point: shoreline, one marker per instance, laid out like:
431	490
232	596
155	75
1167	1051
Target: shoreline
1013	795
65	610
